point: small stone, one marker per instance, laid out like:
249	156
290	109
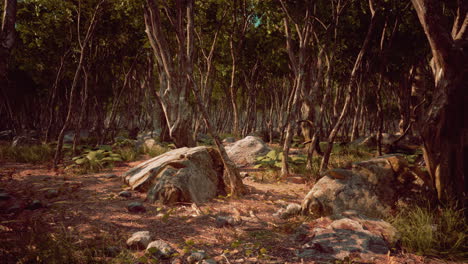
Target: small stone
136	207
109	176
36	204
52	193
5	196
139	240
196	256
291	210
222	221
160	249
125	194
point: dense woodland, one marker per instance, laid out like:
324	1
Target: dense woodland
85	84
323	71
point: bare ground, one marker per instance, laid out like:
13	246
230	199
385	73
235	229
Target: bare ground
90	213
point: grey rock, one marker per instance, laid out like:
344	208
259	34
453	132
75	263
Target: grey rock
180	175
136	207
125	194
196	256
222	221
5	196
160	249
51	193
244	151
291	210
369	188
346	236
139	240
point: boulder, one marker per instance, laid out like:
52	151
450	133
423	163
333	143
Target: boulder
369	187
244	151
180	175
348	235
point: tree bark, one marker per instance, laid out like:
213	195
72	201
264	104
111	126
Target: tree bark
173	93
7	41
347	103
83	45
444	129
236	186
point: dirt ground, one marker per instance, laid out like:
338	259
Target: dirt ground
90	212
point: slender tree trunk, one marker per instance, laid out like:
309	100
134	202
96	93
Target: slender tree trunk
352	78
236	186
7	41
83	45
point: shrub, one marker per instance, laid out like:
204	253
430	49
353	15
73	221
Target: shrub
273	159
440	232
27	154
128	153
156	150
94	160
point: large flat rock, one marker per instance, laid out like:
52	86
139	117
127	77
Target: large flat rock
180	175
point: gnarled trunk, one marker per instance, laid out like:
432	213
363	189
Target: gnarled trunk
444	128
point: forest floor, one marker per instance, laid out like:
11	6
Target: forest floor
88	218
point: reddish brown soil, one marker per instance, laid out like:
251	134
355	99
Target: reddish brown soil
90	211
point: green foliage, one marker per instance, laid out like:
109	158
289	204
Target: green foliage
128	153
126	149
344	156
157	150
440	232
27	154
94	160
272	160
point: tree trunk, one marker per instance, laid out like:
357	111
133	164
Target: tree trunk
352	78
7	41
173	92
236	186
83	45
444	128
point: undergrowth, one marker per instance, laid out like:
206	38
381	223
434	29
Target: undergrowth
36	243
433	231
27	154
